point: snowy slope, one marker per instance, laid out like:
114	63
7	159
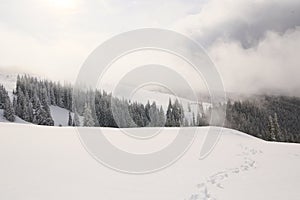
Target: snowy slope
18	119
50	163
61	116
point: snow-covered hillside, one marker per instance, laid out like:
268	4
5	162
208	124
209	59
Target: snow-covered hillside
50	163
17	120
61	116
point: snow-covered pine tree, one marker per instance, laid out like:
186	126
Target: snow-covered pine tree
6	105
198	119
169	115
154	115
30	111
46	114
9	113
181	114
178	113
76	120
70	121
2	97
162	118
38	113
271	136
147	111
277	131
88	118
193	121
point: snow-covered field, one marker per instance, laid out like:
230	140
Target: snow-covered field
50	163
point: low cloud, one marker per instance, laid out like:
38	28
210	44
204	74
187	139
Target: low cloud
245	21
272	66
254	44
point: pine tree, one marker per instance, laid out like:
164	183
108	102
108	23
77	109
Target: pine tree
277	131
2	97
177	113
154	115
70	122
169	115
20	107
76	121
162	119
194	121
88	118
37	113
30	112
271	129
147	112
45	111
6	105
8	110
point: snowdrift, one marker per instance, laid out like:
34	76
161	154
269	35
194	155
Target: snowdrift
51	163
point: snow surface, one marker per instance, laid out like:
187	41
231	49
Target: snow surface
61	116
50	163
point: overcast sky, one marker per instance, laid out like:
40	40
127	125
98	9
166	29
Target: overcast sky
254	43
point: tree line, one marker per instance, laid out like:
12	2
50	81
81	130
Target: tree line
6	105
32	99
272	118
102	109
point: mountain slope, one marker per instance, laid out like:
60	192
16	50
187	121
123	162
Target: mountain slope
50	163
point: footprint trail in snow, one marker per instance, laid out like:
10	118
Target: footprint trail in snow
217	179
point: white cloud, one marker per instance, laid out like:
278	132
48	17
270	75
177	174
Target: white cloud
245	21
271	66
255	43
54	38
